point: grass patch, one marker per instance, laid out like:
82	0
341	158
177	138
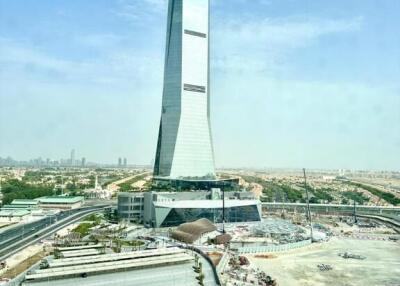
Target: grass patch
359	198
83	228
322	195
93	218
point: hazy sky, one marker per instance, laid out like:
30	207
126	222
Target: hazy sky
294	83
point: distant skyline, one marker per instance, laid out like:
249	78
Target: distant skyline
294	84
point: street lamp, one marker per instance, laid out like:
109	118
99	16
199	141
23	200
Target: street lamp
308	203
223	207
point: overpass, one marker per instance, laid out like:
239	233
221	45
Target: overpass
20	240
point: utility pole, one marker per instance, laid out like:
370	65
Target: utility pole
308	203
223	207
354	211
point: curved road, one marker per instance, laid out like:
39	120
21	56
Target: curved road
18	245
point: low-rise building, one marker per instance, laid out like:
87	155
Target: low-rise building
61	202
165	209
7	215
131	206
25	203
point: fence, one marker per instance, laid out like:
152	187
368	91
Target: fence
223	262
207	258
273	248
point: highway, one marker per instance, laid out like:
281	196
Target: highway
21	231
28	235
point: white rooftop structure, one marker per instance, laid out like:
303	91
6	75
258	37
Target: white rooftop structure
187	204
108	263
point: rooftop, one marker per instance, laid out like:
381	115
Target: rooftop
19	206
191	231
13	213
195	204
24	202
163	266
60	200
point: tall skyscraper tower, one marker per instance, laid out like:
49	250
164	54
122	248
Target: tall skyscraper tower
184	147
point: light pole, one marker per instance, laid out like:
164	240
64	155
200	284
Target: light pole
308	203
354	211
223	207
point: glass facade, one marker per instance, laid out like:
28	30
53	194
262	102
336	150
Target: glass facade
184	147
130	206
233	214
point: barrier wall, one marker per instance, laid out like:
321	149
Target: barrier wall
273	248
222	263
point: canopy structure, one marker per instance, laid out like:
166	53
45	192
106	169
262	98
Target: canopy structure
191	231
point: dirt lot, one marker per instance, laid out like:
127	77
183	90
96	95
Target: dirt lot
299	267
22	266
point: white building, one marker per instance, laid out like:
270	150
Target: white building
98	192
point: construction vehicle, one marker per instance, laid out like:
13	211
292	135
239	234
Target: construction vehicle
324	267
348	255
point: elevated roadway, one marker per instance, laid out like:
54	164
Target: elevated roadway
16	243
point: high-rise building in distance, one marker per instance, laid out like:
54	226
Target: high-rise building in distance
184	147
119	162
72	159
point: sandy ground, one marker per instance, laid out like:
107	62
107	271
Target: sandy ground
18	258
299	267
5	224
24	265
114	185
256	189
139	184
66	230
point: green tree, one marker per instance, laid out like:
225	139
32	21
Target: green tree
15	189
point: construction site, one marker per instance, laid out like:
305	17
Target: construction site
282	249
300	245
338	250
352	258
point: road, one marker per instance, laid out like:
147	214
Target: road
114	186
18	242
21	231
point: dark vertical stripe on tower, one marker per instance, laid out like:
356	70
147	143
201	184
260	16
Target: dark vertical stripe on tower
156	170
